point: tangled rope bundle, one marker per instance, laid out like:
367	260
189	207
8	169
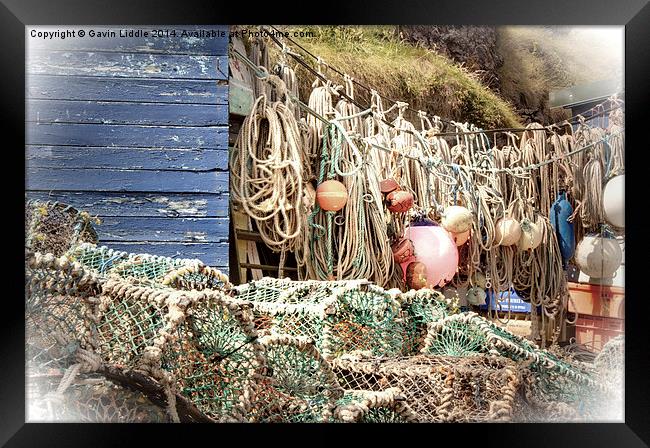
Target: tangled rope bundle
518	180
267	174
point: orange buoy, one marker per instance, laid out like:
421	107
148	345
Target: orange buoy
416	275
388	185
403	250
331	195
461	237
399	201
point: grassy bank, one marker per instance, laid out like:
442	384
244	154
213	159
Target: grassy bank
374	56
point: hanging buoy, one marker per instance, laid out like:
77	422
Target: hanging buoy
599	257
614	201
531	235
416	275
388	185
435	248
403	251
399	201
460	238
476	296
561	210
457	219
508	232
331	195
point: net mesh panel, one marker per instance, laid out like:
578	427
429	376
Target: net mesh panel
213	359
358	406
555	387
93	399
299	387
53	227
56	311
458	339
150	270
344	316
126	327
437	388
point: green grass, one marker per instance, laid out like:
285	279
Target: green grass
375	57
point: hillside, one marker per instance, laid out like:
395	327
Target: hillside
377	57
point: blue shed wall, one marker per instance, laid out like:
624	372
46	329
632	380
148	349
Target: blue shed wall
134	130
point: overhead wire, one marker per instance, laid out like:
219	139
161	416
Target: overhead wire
598	107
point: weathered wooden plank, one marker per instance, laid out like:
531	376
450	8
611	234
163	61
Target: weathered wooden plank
183	39
141	204
102	112
131	65
126	158
126	135
212	254
126	180
186	230
125	89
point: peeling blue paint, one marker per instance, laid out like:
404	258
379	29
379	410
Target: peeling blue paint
134	131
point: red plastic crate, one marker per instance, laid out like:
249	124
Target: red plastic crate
596	300
595	331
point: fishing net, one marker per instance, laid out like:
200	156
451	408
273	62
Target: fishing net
344	316
91	399
53	227
468	334
437	388
387	406
198	343
300	385
610	363
149	270
554	387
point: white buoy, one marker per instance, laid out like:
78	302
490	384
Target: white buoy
476	296
457	219
599	257
614	201
531	235
508	232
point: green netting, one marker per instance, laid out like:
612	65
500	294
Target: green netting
373	407
214	360
300	386
437	388
556	389
458	339
149	270
341	317
469	333
277	350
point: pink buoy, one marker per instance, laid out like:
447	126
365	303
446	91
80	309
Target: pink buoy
436	249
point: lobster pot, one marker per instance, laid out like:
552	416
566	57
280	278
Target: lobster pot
614	201
599	257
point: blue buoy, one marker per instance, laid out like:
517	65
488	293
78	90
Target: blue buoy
561	210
